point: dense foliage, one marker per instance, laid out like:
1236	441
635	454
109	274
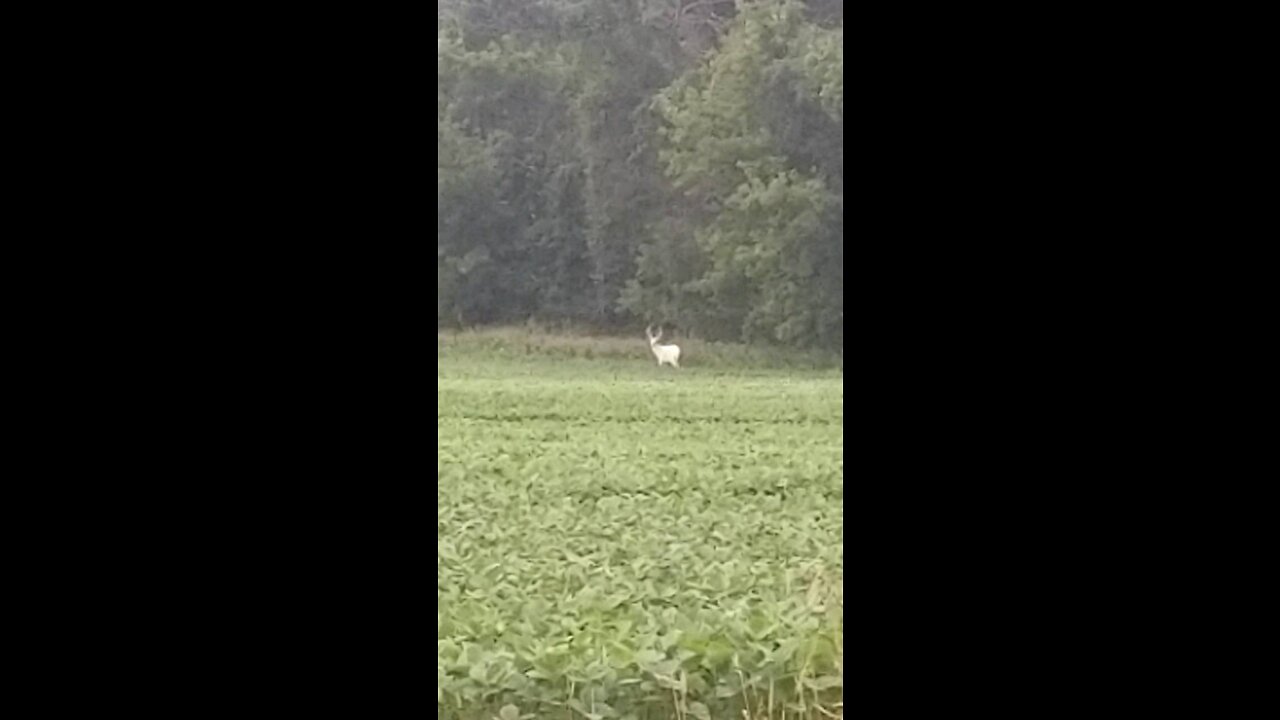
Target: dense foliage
614	162
615	541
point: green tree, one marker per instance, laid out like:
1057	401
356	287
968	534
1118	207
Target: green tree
754	149
619	161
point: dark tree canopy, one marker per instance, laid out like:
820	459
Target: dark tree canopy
616	162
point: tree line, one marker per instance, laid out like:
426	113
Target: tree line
613	162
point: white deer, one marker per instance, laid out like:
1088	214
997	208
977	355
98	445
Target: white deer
666	354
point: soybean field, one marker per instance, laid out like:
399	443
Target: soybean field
616	540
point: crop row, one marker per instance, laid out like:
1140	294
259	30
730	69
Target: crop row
639	549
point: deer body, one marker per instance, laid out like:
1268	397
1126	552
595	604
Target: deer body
666	354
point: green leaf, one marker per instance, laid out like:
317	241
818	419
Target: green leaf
825	682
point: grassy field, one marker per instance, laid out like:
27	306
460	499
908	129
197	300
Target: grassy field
619	541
